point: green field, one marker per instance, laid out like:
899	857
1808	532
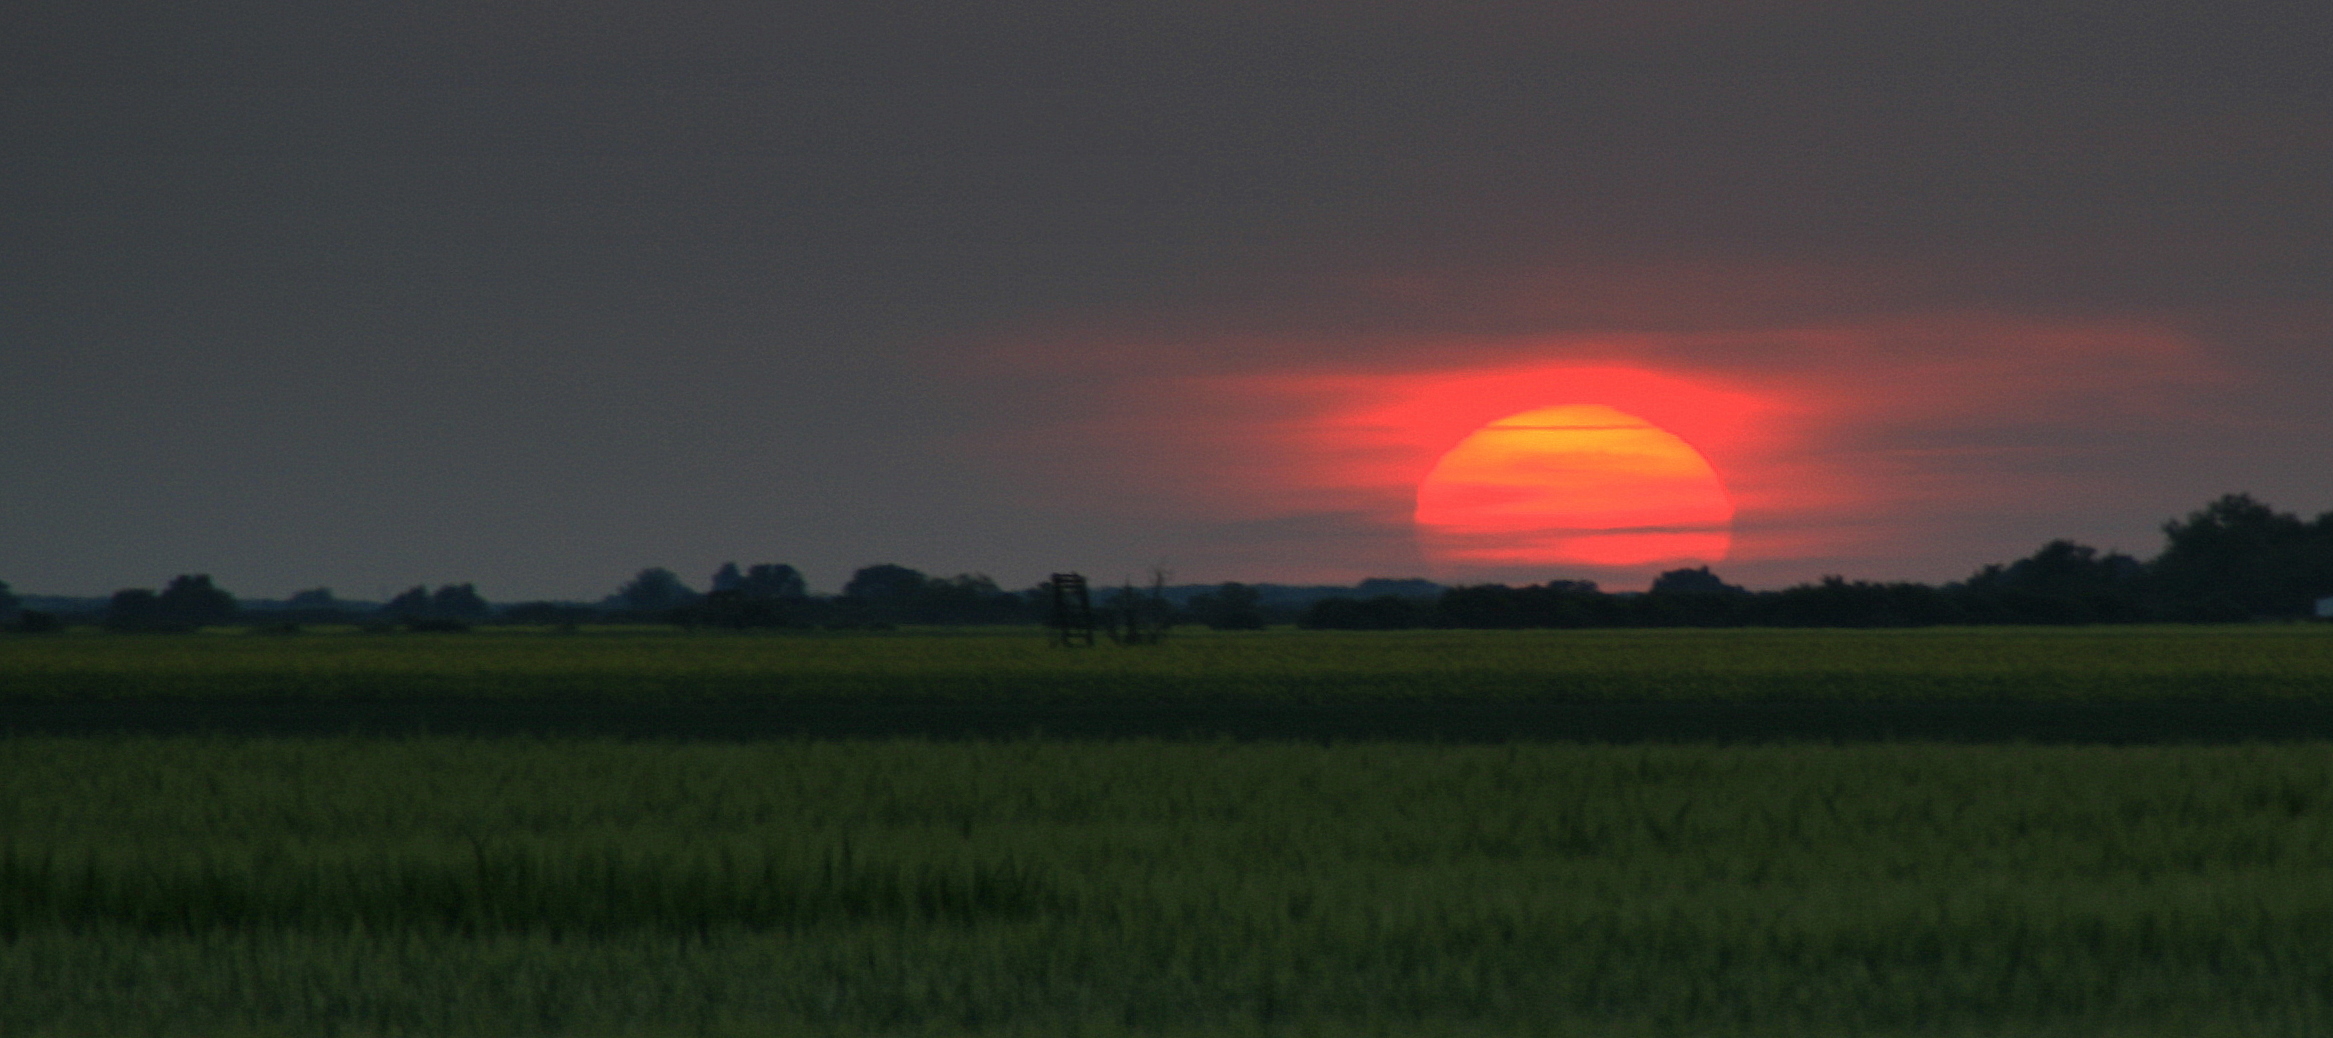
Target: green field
197	885
2257	662
459	887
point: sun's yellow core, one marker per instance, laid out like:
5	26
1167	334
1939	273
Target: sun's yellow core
1578	484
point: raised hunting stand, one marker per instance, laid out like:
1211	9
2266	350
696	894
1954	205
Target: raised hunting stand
1073	610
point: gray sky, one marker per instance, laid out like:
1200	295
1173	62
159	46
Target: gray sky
376	294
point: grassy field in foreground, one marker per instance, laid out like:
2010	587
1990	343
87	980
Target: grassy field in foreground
2128	663
476	887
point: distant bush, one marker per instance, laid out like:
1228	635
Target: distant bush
34	621
1230	607
1382	613
139	610
547	614
459	603
188	602
736	608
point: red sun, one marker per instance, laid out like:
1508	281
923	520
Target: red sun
1584	485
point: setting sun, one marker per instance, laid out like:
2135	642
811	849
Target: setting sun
1583	485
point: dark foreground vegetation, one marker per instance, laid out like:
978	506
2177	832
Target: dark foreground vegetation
629	831
453	887
2236	559
2165	684
2235	663
2150	723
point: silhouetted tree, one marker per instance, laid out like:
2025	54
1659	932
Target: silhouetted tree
884	583
653	590
1696	581
9	603
2064	582
766	595
1140	616
2237	558
1404	587
138	609
774	580
764	580
412	604
1380	613
1837	602
459	602
314	599
1557	603
888	594
1693	598
192	600
452	608
965	598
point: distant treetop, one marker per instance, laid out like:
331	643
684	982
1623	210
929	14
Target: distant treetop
1698	580
764	580
653	590
192	599
313	598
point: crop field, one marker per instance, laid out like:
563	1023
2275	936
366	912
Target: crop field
641	832
2108	685
2254	662
457	886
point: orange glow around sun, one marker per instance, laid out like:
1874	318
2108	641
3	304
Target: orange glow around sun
1582	484
1492	472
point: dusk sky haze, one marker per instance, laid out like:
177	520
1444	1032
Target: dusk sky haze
370	295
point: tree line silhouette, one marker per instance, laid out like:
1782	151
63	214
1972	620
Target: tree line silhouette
2234	559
